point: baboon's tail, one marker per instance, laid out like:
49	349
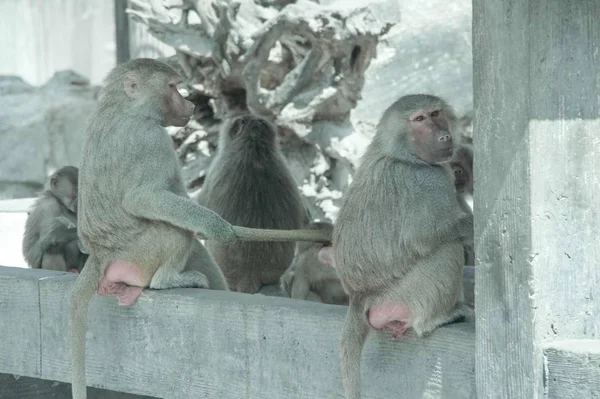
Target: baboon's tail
85	286
353	339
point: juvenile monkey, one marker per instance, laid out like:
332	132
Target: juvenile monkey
461	168
312	273
50	237
408	273
135	216
249	184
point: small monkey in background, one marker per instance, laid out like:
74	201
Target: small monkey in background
408	272
50	237
135	216
312	275
461	169
249	185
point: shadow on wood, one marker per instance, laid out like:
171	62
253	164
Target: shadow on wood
16	387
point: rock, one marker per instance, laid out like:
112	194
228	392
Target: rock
42	129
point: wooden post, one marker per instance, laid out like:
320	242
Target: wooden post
122	31
537	186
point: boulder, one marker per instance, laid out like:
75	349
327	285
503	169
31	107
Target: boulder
41	130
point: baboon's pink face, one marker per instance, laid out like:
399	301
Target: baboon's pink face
176	110
430	135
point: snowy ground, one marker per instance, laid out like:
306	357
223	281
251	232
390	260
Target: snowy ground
13	214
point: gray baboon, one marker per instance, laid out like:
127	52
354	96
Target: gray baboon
461	169
312	273
50	237
135	216
249	185
398	238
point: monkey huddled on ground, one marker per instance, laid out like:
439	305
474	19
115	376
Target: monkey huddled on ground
312	275
50	238
249	185
408	272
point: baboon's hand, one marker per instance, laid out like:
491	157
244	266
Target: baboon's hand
218	229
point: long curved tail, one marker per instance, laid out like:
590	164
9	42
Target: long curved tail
252	234
85	286
353	339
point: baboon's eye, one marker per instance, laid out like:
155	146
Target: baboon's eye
435	113
419	118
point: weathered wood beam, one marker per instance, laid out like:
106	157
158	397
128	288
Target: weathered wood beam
191	343
122	31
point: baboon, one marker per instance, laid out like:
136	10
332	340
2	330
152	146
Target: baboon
50	237
249	185
135	216
407	271
461	169
312	273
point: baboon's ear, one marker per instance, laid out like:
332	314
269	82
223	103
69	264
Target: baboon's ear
130	84
326	256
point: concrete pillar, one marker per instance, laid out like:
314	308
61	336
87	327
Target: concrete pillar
537	186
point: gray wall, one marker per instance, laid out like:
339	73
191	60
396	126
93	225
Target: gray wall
41	37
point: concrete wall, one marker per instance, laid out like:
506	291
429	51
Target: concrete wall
537	109
191	343
573	369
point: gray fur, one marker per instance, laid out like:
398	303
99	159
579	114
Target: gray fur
309	278
133	205
47	242
413	251
249	185
460	169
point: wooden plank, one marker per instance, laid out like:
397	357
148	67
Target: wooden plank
573	369
122	31
20	346
192	343
537	178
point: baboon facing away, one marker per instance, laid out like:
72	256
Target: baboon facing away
50	237
249	185
135	216
409	272
312	273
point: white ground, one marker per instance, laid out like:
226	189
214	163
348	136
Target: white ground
13	214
